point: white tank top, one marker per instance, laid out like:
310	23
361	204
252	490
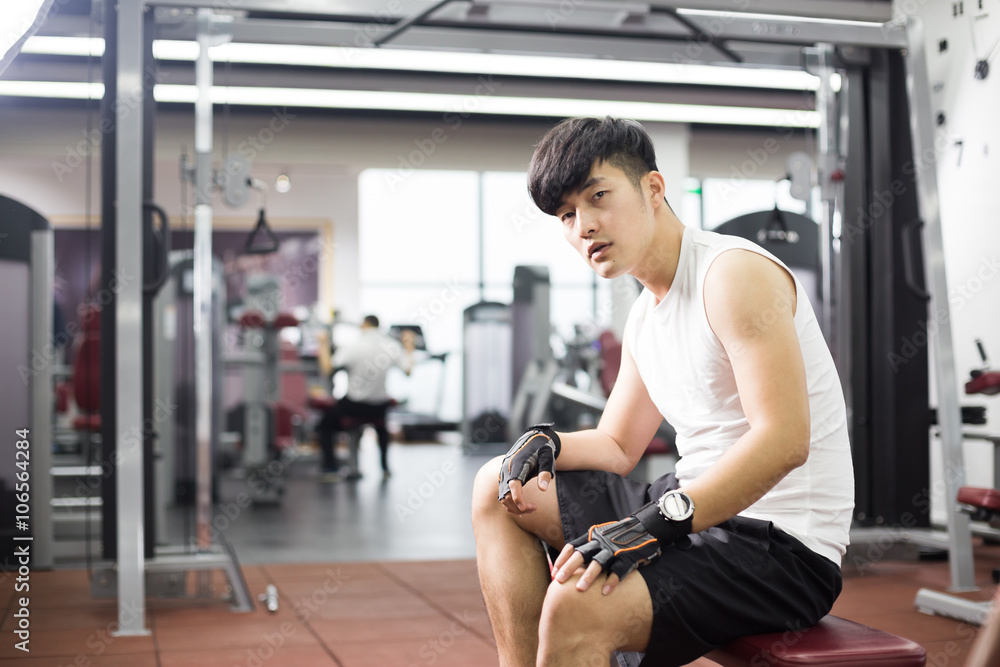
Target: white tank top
690	380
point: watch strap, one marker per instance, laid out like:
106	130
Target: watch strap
664	530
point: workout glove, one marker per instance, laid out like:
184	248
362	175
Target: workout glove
534	452
622	546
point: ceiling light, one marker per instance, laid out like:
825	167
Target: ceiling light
64	46
415	60
728	15
454	108
69	90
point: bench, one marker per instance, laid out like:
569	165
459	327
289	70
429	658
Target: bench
833	642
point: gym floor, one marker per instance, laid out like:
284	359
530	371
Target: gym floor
375	573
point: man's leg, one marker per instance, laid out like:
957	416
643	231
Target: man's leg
325	430
378	416
585	628
513	570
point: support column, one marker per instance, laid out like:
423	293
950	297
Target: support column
942	348
128	352
203	281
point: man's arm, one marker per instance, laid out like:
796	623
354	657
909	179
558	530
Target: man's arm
627	424
750	303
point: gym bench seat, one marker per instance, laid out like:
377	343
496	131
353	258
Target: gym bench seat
833	642
987	500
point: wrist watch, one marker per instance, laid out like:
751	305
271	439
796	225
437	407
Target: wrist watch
676	506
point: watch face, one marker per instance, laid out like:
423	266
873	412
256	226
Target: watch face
675	506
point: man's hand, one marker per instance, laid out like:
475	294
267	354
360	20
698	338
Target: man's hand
534	454
408	339
619	547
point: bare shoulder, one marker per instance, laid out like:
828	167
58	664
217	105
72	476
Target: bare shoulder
743	287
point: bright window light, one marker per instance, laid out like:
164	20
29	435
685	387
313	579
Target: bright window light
456	106
20	18
451	62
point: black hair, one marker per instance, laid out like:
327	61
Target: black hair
565	155
371	320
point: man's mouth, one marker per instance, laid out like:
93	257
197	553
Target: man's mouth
597	250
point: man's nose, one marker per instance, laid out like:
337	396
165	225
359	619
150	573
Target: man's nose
586	225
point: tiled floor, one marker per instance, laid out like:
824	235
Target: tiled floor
375	573
360	614
405	614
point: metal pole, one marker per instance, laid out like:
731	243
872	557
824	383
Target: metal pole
41	396
942	350
203	280
826	104
482	236
407	22
128	352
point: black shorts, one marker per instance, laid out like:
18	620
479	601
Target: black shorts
742	577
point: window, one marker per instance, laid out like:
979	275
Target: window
420	241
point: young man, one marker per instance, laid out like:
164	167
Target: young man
747	537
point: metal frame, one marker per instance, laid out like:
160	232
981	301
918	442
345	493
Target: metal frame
129	480
203	280
753	28
128	352
42	261
949	411
671	35
851	10
827	134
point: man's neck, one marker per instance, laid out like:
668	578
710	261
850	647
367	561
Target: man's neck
660	266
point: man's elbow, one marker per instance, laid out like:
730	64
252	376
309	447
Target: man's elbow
797	448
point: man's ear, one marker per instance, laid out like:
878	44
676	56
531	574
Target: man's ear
657	187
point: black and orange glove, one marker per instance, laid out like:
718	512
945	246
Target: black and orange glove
534	452
622	546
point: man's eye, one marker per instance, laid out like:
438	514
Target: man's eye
599	194
565	217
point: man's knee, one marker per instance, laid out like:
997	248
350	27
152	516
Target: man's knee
543	523
592	624
485	489
571	626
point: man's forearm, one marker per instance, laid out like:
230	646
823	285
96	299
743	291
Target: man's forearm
740	477
592	449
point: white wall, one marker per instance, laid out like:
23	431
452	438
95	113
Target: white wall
968	179
44	163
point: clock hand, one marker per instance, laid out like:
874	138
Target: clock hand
972	30
993	48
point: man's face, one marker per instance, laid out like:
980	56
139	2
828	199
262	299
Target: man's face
607	221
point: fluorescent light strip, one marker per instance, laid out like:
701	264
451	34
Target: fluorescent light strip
718	13
512	65
492	104
457	105
64	46
67	90
414	60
